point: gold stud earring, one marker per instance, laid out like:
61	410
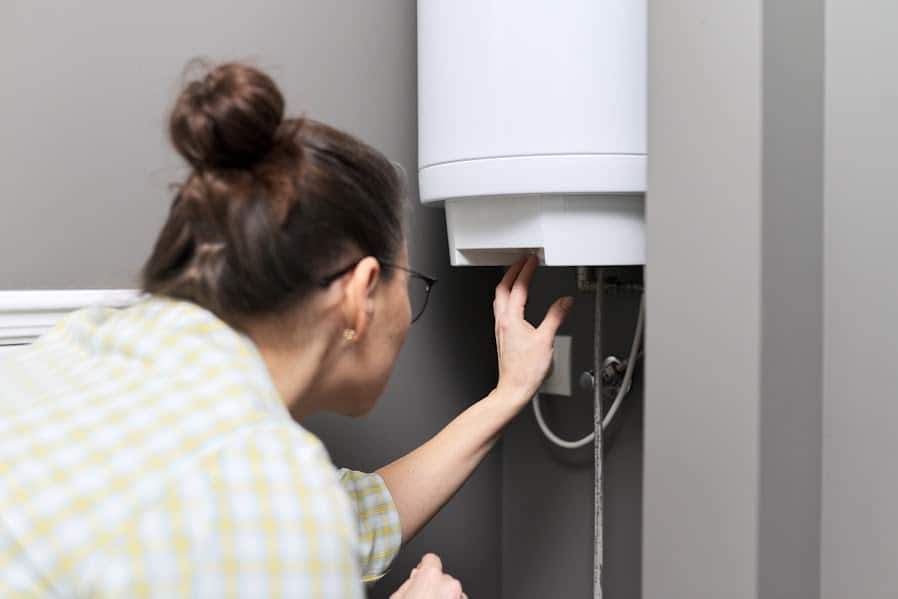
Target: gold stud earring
349	334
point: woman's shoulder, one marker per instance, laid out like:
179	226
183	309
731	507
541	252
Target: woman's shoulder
277	448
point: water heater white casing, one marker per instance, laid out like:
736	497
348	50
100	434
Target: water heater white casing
532	127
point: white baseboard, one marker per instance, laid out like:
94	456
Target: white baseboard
26	315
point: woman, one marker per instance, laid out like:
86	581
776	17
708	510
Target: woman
151	451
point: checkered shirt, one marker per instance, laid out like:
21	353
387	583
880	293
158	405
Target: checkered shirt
145	452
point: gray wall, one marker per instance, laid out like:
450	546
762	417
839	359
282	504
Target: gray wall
733	410
547	507
860	480
86	88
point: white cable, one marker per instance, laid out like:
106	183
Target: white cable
618	400
631	364
552	436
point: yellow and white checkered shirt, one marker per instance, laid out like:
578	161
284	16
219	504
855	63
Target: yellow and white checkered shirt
146	453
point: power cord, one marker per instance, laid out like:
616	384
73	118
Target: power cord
618	400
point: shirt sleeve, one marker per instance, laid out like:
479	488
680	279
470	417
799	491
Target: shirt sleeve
262	516
379	530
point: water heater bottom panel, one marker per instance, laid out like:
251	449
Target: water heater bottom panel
564	230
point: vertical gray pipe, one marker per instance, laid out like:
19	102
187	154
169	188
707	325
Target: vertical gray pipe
597	446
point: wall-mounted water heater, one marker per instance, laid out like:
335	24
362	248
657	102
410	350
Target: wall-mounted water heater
532	128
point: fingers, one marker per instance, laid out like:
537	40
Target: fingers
512	273
429	570
555	316
430	561
450	588
400	592
517	299
505	285
428	580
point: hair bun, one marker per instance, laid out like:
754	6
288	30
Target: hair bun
228	119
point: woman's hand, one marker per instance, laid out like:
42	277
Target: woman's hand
525	351
424	480
428	582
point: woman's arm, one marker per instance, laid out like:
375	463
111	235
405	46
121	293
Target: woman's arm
425	479
422	481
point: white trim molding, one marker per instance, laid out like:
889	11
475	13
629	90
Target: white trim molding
26	315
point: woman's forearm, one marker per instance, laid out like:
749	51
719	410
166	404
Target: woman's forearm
422	481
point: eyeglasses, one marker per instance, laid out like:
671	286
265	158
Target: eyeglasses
419	285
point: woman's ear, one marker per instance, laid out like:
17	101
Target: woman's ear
358	306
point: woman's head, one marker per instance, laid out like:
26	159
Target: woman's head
271	207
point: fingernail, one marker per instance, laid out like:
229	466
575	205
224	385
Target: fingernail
567	302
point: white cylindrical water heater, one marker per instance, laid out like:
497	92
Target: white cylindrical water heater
532	127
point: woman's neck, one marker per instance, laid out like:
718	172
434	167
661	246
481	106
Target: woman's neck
294	361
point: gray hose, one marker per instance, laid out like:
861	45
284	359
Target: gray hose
597	446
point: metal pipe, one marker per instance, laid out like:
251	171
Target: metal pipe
598	551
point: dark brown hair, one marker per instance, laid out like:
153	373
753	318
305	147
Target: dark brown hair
271	205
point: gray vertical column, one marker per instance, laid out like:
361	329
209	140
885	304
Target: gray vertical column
703	281
860	424
791	300
732	445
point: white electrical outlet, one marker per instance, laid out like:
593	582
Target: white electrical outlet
558	382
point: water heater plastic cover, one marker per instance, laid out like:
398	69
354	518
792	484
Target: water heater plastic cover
562	229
